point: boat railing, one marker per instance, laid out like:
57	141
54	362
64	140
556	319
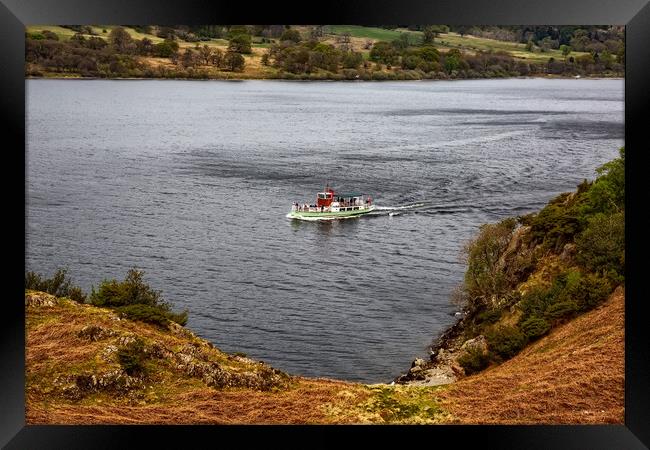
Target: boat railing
302	208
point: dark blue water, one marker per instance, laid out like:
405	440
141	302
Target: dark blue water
191	181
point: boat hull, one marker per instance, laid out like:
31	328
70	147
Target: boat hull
329	215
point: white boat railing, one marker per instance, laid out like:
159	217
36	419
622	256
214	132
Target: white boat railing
303	208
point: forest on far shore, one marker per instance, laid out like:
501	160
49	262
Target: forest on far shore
323	52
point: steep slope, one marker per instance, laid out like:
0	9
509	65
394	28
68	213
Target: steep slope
576	374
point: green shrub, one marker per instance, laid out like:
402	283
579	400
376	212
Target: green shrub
133	358
562	310
50	35
144	313
489	316
558	222
590	291
607	194
571	293
535	302
136	299
506	341
474	360
59	285
601	247
133	290
535	327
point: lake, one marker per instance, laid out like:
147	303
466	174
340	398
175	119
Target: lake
191	181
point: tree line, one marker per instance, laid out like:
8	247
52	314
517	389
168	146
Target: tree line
310	55
405	59
118	55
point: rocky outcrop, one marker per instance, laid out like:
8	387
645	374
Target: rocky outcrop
478	343
37	299
193	361
442	367
78	386
129	356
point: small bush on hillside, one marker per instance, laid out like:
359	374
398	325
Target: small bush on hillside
133	358
59	285
133	290
474	360
535	327
136	299
562	310
149	314
590	291
506	341
488	316
535	302
601	247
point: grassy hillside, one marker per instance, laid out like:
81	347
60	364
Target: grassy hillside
576	374
81	361
77	373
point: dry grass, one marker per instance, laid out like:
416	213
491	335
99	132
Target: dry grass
170	396
574	375
304	403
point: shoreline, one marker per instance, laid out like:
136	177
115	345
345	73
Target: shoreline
542	77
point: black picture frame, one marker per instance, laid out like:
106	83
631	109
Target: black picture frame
635	14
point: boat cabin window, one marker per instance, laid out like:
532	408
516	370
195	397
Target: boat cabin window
324	195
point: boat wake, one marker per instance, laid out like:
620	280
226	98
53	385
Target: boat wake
397	208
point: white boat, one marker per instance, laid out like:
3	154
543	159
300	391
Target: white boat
330	205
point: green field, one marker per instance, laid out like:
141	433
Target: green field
517	50
66	33
358	31
449	40
99	29
62	33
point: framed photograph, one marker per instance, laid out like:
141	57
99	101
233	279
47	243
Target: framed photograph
432	228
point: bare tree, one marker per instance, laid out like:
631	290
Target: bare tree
205	53
344	41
